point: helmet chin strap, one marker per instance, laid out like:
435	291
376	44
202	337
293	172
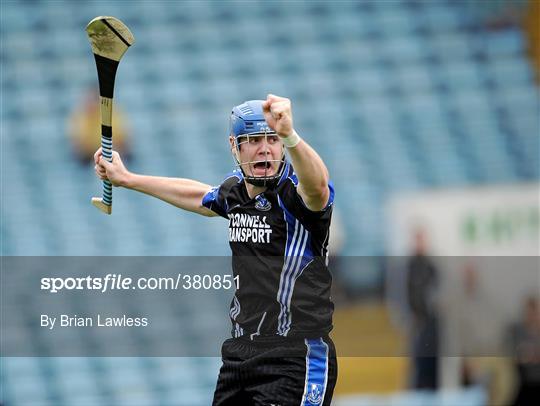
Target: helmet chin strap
265	181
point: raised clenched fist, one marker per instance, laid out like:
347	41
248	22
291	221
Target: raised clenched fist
278	114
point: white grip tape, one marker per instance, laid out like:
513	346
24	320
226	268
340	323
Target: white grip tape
106	150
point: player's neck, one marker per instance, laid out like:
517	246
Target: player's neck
253	190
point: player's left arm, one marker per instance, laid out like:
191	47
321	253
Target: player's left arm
312	173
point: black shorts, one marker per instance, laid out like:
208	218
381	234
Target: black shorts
286	372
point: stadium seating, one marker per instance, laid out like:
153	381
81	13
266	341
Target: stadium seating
395	96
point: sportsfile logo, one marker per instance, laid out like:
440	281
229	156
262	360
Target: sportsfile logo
114	282
247	228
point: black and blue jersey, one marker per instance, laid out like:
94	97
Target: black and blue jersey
279	253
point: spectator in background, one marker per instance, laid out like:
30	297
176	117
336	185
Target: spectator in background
526	346
422	279
530	23
480	336
85	129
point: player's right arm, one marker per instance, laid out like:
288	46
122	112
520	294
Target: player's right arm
186	194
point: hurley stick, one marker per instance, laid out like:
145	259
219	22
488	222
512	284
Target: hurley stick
110	39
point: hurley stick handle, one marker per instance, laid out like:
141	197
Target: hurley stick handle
110	39
105	203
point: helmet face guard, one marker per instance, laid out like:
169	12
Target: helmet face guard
247	121
267	179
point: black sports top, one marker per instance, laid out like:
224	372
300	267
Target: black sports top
279	253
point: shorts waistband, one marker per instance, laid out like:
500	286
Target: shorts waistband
277	339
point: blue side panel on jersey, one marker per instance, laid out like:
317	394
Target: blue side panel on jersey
331	197
294	179
291	224
285	172
211	197
316	372
237	173
298	254
289	218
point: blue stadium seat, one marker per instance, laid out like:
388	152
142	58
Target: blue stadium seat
504	43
